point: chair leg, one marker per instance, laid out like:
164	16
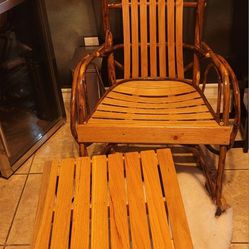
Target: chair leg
221	206
82	150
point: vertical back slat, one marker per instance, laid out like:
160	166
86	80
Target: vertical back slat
162	38
179	33
81	214
171	37
118	212
126	32
138	218
62	211
99	229
143	38
134	36
153	39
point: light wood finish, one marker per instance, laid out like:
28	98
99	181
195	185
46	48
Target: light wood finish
127	37
180	230
81	207
99	228
118	200
144	34
155	104
62	209
159	134
152	111
162	37
153	38
134	28
155	34
129	186
179	39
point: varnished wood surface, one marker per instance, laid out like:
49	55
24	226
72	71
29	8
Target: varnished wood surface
153	112
119	202
147	36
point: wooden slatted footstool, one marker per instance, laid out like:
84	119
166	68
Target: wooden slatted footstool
123	201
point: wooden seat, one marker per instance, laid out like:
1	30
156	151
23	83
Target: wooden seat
120	202
145	111
161	97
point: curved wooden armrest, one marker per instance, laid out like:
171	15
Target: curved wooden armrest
229	81
78	99
79	106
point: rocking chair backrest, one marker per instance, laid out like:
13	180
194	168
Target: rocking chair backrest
153	36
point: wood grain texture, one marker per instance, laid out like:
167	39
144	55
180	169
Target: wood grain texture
127	37
118	200
129	185
81	208
44	214
162	38
99	228
134	28
143	38
153	38
179	39
138	217
171	37
157	212
147	132
62	210
179	224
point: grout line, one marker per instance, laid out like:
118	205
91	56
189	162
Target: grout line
240	243
17	244
36	173
236	169
18	203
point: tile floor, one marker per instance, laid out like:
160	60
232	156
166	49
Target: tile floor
19	194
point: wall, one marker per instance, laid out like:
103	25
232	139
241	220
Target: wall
69	21
225	29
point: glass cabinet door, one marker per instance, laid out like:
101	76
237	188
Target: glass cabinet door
31	106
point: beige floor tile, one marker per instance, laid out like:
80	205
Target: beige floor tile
17	247
61	145
239	246
22	228
10	191
24	169
236	159
236	192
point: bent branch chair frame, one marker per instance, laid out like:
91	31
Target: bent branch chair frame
153	53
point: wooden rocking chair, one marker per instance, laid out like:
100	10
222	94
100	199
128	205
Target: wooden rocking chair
154	102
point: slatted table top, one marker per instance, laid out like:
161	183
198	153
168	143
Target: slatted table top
127	200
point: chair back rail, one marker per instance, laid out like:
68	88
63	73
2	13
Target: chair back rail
153	36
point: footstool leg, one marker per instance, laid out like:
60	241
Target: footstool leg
221	206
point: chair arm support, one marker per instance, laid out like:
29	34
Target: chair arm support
236	98
78	108
228	80
79	111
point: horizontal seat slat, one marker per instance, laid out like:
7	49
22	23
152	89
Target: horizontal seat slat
132	116
151	100
149	123
114	102
191	109
154	91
